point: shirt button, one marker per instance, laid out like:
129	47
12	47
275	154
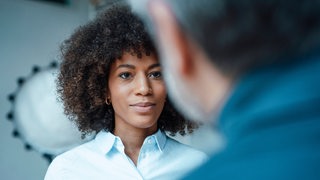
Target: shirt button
149	141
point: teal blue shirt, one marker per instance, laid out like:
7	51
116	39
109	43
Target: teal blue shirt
272	126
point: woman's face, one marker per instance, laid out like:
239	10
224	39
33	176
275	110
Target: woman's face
137	91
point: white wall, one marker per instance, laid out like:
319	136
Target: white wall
30	34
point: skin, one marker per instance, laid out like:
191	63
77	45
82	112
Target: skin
137	93
202	86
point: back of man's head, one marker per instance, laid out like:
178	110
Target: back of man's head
237	35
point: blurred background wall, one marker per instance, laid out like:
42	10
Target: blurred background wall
30	34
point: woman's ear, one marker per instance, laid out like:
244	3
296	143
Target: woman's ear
108	100
108	97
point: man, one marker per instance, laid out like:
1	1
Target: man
252	69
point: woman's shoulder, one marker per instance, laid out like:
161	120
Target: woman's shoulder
183	158
77	150
63	162
180	148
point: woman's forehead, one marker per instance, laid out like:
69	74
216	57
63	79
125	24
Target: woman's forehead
128	58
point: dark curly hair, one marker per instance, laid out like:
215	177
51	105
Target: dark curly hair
86	59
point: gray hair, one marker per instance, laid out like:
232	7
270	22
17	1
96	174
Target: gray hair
238	35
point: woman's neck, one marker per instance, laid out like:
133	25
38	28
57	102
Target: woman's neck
133	139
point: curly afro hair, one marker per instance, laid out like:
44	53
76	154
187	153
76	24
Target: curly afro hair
86	59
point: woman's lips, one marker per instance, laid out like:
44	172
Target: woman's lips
143	107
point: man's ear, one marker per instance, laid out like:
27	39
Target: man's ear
173	42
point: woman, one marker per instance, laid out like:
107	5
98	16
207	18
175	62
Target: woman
111	84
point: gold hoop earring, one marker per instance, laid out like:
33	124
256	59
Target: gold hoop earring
108	101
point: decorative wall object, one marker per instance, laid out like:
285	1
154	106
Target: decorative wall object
38	116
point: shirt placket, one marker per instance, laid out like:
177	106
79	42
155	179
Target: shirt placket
131	165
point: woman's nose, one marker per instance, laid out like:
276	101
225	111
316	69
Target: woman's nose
142	85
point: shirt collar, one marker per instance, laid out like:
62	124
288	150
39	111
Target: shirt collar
160	139
106	141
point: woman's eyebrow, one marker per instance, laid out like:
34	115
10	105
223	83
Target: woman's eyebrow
154	66
126	66
133	67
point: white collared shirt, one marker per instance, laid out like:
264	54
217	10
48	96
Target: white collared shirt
103	158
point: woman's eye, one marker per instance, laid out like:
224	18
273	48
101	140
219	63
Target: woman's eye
125	75
156	75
